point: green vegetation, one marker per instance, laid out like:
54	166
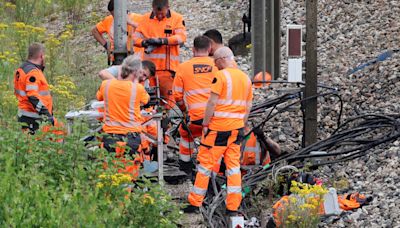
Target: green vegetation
45	183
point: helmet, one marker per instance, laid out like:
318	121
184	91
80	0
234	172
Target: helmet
259	77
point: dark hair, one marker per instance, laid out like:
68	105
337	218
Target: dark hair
110	6
159	4
214	35
201	43
149	65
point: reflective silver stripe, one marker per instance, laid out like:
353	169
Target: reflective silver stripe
258	153
232	102
228	85
229	115
204	171
28	114
39	106
199	191
122	124
138	35
32	87
175	58
20	92
179	31
44	92
178	89
234	189
184	157
132	103
186	144
162	56
230	172
249	103
250	149
178	38
107	114
197	105
197	91
155	56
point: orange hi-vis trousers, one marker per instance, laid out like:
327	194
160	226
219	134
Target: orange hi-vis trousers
186	143
214	145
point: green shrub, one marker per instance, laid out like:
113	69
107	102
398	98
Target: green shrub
48	184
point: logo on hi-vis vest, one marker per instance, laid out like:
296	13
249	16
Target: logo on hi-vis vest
201	69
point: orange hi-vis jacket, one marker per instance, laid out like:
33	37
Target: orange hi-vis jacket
252	153
107	26
192	84
122	101
32	91
172	27
235	95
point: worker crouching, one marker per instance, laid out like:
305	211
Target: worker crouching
226	113
35	103
122	99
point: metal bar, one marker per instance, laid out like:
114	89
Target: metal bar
120	31
310	124
269	30
277	39
160	148
257	36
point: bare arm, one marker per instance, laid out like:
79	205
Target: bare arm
211	103
248	108
273	147
105	75
98	36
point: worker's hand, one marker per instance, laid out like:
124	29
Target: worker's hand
205	131
157	41
51	120
145	43
106	46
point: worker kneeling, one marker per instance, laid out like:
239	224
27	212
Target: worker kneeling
122	99
191	91
226	113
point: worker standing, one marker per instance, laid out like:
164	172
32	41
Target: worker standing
225	117
122	99
106	26
161	32
35	103
216	40
191	90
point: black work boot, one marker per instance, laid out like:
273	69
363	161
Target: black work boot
190	209
186	167
230	213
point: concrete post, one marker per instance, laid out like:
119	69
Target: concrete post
310	125
120	31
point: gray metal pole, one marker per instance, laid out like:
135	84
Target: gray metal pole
120	31
273	37
277	39
310	125
257	36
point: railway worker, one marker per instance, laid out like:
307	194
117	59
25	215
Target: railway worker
216	41
35	103
122	98
161	32
225	117
191	90
258	149
148	73
106	26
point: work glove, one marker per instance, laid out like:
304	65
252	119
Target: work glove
157	41
106	46
51	120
